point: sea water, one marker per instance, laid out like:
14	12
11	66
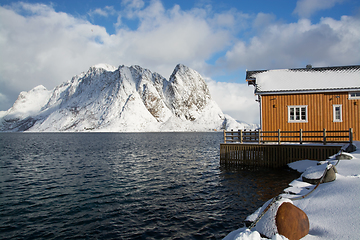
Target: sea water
125	186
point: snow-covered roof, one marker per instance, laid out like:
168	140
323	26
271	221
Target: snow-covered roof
344	78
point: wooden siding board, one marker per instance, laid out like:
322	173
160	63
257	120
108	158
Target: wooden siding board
320	112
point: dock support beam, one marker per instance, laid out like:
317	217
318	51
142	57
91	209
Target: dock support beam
274	155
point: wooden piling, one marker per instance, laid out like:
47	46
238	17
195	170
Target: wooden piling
273	155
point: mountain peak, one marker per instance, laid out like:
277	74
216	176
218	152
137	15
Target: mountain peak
104	66
120	99
180	66
179	69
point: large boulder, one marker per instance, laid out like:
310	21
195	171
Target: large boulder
291	221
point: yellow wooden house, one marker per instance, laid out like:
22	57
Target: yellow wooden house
311	98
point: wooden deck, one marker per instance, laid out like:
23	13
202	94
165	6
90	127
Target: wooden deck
273	149
273	155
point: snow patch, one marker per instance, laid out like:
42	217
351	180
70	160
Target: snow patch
105	66
28	103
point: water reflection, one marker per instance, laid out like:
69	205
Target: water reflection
255	186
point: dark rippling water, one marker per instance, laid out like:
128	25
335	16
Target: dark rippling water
125	186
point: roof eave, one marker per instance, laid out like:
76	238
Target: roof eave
304	91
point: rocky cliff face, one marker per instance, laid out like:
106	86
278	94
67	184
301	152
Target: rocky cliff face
187	93
106	98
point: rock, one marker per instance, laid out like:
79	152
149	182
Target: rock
291	221
330	175
349	148
343	156
313	175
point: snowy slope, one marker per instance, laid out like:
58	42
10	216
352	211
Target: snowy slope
123	99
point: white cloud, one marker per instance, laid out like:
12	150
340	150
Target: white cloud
328	43
132	7
232	20
45	47
134	4
306	8
104	12
237	100
263	20
3	98
41	46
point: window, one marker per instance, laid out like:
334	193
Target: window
297	114
337	113
354	95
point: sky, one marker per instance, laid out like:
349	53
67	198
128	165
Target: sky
47	42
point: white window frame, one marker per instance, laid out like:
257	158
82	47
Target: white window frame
295	107
354	97
335	111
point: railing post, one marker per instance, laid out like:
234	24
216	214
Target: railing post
259	136
324	139
232	135
301	136
224	135
241	136
279	137
351	132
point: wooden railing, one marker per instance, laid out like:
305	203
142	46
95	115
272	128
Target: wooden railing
301	136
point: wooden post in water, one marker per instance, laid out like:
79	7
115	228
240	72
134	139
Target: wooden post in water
240	136
279	137
259	135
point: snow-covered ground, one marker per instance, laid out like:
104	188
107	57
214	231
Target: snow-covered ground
333	208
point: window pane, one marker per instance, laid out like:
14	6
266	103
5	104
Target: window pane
292	114
337	113
355	94
297	113
303	113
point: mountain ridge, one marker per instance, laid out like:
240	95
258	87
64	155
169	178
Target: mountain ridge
122	99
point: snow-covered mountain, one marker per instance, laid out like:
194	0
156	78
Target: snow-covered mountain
123	99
